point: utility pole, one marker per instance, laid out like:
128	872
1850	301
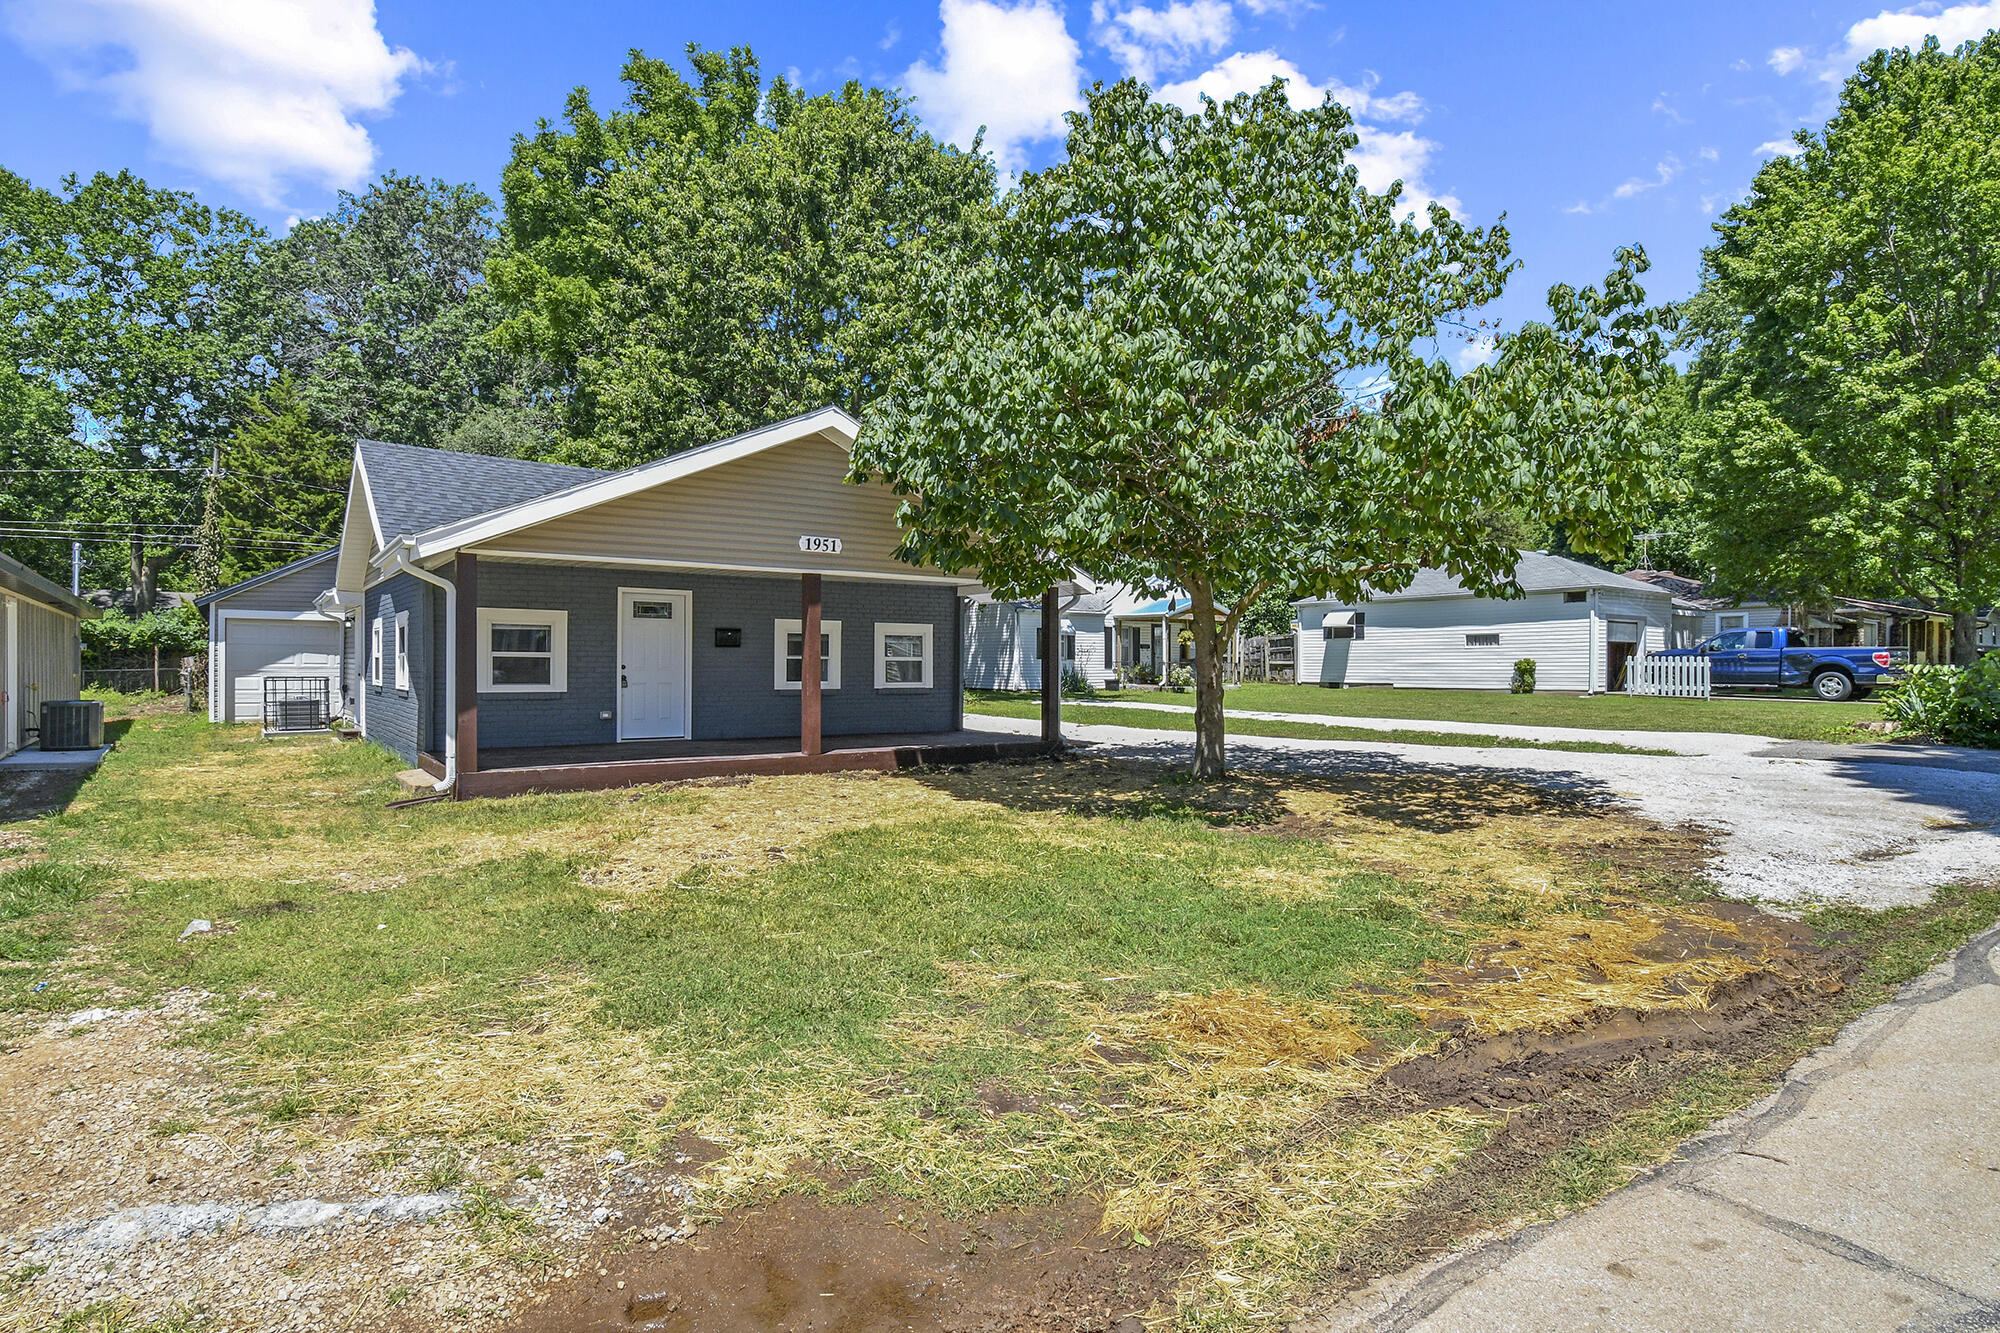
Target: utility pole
76	569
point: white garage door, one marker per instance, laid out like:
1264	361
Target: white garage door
254	649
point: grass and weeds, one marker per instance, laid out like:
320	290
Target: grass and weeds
1788	717
1002	704
1009	984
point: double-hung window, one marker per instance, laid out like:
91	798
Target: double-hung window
403	651
789	654
523	651
375	651
902	656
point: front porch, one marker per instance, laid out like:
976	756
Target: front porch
513	770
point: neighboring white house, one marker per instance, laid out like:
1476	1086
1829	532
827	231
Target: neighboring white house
1580	624
1003	646
1843	622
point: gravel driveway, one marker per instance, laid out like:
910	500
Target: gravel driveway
1877	826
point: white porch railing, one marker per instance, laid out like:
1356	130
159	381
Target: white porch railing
1668	677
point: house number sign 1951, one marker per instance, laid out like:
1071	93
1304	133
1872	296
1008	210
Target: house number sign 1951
820	545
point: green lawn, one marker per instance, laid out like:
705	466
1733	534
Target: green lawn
972	988
1084	713
1794	718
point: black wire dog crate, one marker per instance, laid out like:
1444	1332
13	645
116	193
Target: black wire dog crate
296	703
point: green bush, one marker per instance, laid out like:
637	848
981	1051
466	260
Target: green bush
1524	677
1077	685
1180	678
175	630
1958	705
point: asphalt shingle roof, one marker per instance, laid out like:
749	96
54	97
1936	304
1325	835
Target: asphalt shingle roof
416	489
1536	572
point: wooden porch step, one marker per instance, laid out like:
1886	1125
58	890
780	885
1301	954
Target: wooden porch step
416	782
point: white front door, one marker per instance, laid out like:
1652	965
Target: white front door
653	668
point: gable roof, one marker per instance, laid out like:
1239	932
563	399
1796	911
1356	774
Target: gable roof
587	488
415	489
242	585
1536	571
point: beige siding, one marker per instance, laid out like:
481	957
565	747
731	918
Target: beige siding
748	514
48	661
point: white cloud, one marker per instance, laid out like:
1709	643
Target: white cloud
1663	173
1581	206
1383	156
252	93
890	35
1786	59
1665	108
1709	154
1146	41
1909	27
1778	148
1478	351
1011	68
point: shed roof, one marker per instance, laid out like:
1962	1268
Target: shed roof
416	489
18	578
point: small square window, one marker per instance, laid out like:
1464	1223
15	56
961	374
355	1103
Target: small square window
1576	595
523	652
789	656
902	657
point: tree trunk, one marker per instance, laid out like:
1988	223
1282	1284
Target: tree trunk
1208	660
143	573
1964	638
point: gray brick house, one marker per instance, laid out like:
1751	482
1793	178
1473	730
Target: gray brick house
527	626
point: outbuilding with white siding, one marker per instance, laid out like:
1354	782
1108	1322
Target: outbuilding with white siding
271	628
1003	638
1579	623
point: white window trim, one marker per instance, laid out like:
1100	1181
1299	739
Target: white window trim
883	629
375	652
1728	620
558	623
781	629
403	651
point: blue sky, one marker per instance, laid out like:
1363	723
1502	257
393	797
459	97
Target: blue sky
1589	125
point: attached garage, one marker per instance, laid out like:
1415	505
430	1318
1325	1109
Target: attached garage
269	629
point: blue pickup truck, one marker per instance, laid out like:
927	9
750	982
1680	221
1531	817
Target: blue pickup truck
1772	659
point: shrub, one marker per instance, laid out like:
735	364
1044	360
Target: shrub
1524	677
1077	685
1180	678
1958	705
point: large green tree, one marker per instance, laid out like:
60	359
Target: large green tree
281	476
126	305
1161	376
1849	348
382	318
720	252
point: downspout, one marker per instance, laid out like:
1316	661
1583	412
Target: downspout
404	565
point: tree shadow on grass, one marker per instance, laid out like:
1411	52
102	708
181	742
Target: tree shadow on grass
1382	787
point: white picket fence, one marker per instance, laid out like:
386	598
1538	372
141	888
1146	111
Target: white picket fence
1668	677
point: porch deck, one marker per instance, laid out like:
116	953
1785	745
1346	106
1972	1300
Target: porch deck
512	770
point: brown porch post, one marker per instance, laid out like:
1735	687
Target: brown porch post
465	679
1051	671
809	667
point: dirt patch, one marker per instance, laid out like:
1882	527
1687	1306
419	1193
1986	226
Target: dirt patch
32	793
803	1263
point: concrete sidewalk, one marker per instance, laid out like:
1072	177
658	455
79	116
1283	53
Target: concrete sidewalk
1863	1195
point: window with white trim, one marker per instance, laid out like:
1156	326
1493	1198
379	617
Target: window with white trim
788	654
403	651
1728	620
375	651
523	651
902	656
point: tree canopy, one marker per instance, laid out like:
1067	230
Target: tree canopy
1201	354
719	253
1848	336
